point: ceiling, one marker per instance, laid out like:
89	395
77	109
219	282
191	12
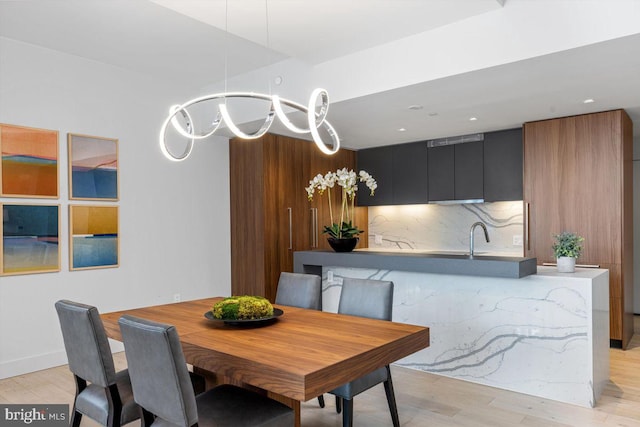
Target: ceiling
205	42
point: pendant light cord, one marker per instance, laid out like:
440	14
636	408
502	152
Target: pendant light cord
226	45
266	14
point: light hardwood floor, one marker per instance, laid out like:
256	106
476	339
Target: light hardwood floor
423	400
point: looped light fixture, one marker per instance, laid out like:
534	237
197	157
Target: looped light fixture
188	130
314	120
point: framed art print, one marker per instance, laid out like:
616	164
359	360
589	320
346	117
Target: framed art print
93	168
30	239
93	237
29	163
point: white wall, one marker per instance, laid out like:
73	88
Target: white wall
174	217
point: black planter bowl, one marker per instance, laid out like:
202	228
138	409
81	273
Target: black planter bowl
343	245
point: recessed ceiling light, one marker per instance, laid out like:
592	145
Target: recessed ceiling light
473	119
401	129
415	107
588	101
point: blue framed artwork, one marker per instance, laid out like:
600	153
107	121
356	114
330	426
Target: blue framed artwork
93	168
30	239
93	237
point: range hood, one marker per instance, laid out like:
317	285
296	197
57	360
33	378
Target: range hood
454	202
451	140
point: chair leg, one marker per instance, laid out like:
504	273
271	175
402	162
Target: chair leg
321	401
115	406
347	412
76	417
146	417
391	399
338	404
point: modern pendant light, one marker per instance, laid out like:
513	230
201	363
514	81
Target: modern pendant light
182	120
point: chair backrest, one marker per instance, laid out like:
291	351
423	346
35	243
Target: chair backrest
366	298
86	343
158	371
300	290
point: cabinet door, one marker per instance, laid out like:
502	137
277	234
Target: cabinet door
573	182
503	165
469	167
410	179
246	178
543	166
440	172
377	162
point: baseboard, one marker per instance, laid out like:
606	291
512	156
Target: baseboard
615	343
30	364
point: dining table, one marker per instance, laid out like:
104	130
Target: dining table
293	357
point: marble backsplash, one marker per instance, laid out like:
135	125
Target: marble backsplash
446	227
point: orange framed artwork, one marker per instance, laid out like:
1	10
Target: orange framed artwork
29	163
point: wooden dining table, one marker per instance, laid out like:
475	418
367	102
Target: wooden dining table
295	357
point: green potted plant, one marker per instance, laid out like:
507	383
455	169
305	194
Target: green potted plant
566	249
342	234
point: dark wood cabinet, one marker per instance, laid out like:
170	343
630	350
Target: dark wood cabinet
271	216
503	165
578	177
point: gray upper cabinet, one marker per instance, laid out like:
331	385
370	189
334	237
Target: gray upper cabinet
414	174
468	171
401	173
441	161
503	165
455	172
379	163
409	184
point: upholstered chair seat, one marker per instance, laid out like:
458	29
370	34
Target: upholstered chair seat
93	403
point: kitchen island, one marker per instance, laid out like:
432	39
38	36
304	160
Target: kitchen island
545	334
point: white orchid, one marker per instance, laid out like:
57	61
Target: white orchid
348	181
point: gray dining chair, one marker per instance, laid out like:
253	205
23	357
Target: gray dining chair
372	299
102	394
160	381
300	290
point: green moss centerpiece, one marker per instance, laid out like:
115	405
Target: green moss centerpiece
242	308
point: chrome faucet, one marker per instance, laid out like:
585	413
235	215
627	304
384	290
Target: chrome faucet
473	227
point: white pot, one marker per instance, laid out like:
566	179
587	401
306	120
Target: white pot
566	264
